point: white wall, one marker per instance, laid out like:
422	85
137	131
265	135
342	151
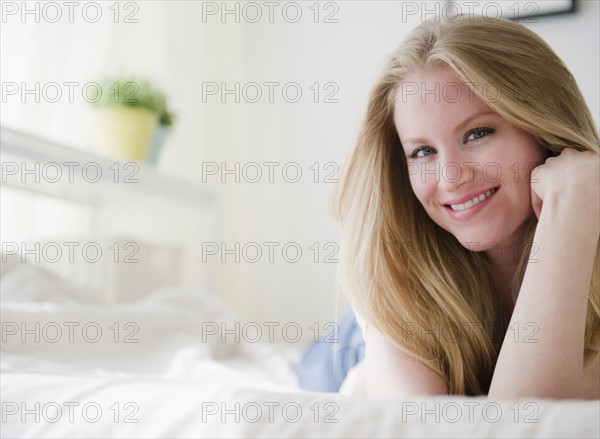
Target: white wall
173	46
576	39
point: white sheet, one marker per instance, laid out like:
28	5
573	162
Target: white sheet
171	383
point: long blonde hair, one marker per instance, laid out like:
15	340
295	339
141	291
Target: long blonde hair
399	269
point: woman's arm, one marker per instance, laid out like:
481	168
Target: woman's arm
392	373
555	289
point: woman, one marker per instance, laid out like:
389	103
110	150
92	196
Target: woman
470	207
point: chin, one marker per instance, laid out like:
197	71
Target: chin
477	243
478	246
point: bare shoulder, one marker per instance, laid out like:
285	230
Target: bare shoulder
393	373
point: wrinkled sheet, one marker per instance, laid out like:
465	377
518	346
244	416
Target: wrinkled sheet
148	369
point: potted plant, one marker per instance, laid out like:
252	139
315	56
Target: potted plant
129	113
165	124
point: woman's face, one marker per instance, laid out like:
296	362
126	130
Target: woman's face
468	167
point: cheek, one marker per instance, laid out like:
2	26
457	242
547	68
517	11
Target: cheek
522	169
424	191
531	153
523	191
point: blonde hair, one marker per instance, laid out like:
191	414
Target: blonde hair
399	269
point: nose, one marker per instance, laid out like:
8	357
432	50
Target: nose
455	171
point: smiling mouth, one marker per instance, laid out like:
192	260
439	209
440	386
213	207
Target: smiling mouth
472	202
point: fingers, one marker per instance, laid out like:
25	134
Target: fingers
568	174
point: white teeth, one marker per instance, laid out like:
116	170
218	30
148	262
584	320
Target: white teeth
474	201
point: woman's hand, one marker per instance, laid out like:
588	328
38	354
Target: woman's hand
572	181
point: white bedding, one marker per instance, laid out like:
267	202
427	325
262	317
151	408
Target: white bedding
172	383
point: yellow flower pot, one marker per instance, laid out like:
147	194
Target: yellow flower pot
125	132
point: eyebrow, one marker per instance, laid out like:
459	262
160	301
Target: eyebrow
471	118
459	127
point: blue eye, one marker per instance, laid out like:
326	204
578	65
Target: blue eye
422	152
478	133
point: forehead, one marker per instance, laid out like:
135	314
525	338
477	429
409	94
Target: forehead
432	99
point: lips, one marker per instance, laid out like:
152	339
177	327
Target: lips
472	201
467	202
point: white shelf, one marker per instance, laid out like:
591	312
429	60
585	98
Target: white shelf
158	211
117	178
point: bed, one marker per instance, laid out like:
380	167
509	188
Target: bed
75	368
